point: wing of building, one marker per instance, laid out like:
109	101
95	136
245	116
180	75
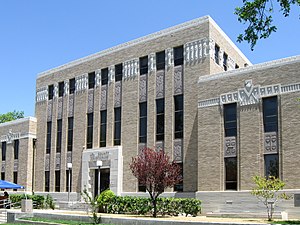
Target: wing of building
187	90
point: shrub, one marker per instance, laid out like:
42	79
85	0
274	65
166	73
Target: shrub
104	198
39	201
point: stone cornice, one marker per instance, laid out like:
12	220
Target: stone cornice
149	37
18	121
249	69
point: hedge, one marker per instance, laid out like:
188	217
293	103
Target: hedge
39	201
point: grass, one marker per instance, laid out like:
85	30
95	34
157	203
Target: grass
286	222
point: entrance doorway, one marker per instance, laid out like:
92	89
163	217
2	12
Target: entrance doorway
104	180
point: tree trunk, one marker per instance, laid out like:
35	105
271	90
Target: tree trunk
154	207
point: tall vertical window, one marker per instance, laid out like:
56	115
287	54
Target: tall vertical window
160	60
230	128
160	119
104	76
47	181
91	80
50	91
103	121
68	180
57	180
178	55
2	175
3	151
16	149
15	178
178	132
48	141
144	65
70	133
270	114
143	123
118	72
270	117
230	122
89	135
117	130
60	89
58	135
72	86
217	51
225	61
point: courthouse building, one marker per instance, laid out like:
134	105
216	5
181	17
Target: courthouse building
187	90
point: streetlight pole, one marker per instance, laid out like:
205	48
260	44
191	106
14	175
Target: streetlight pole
69	166
99	164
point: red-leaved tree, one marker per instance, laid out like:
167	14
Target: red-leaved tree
154	169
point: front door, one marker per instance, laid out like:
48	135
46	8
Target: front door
104	180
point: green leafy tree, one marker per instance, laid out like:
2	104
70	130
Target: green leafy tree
93	204
266	191
9	116
258	15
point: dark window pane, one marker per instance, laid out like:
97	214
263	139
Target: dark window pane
144	65
178	56
160	60
70	133
60	89
103	121
117	131
59	135
50	91
47	181
217	51
16	149
91	80
143	109
231	173
160	119
270	114
2	175
225	59
178	100
230	120
104	76
89	135
179	124
48	141
143	123
272	165
118	72
72	86
142	188
15	178
4	151
57	180
160	106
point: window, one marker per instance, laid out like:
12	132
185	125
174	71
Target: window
48	141
89	135
230	120
103	118
47	181
104	76
271	165
143	123
69	176
144	65
57	181
16	149
141	188
91	80
58	135
160	119
179	187
270	114
160	60
4	151
217	51
118	72
72	86
117	131
231	173
50	91
225	61
178	56
237	66
2	175
60	89
178	100
70	133
15	178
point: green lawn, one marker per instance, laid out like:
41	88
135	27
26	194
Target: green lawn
286	222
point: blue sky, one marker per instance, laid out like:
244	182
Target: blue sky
39	35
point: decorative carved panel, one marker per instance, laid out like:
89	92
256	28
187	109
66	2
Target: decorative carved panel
69	157
10	136
49	110
103	98
230	147
142	146
130	68
16	165
198	49
59	108
118	94
143	88
177	150
270	143
47	162
160	84
71	105
90	101
178	80
3	166
98	78
57	161
42	94
81	83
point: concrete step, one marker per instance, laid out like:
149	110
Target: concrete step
3	217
